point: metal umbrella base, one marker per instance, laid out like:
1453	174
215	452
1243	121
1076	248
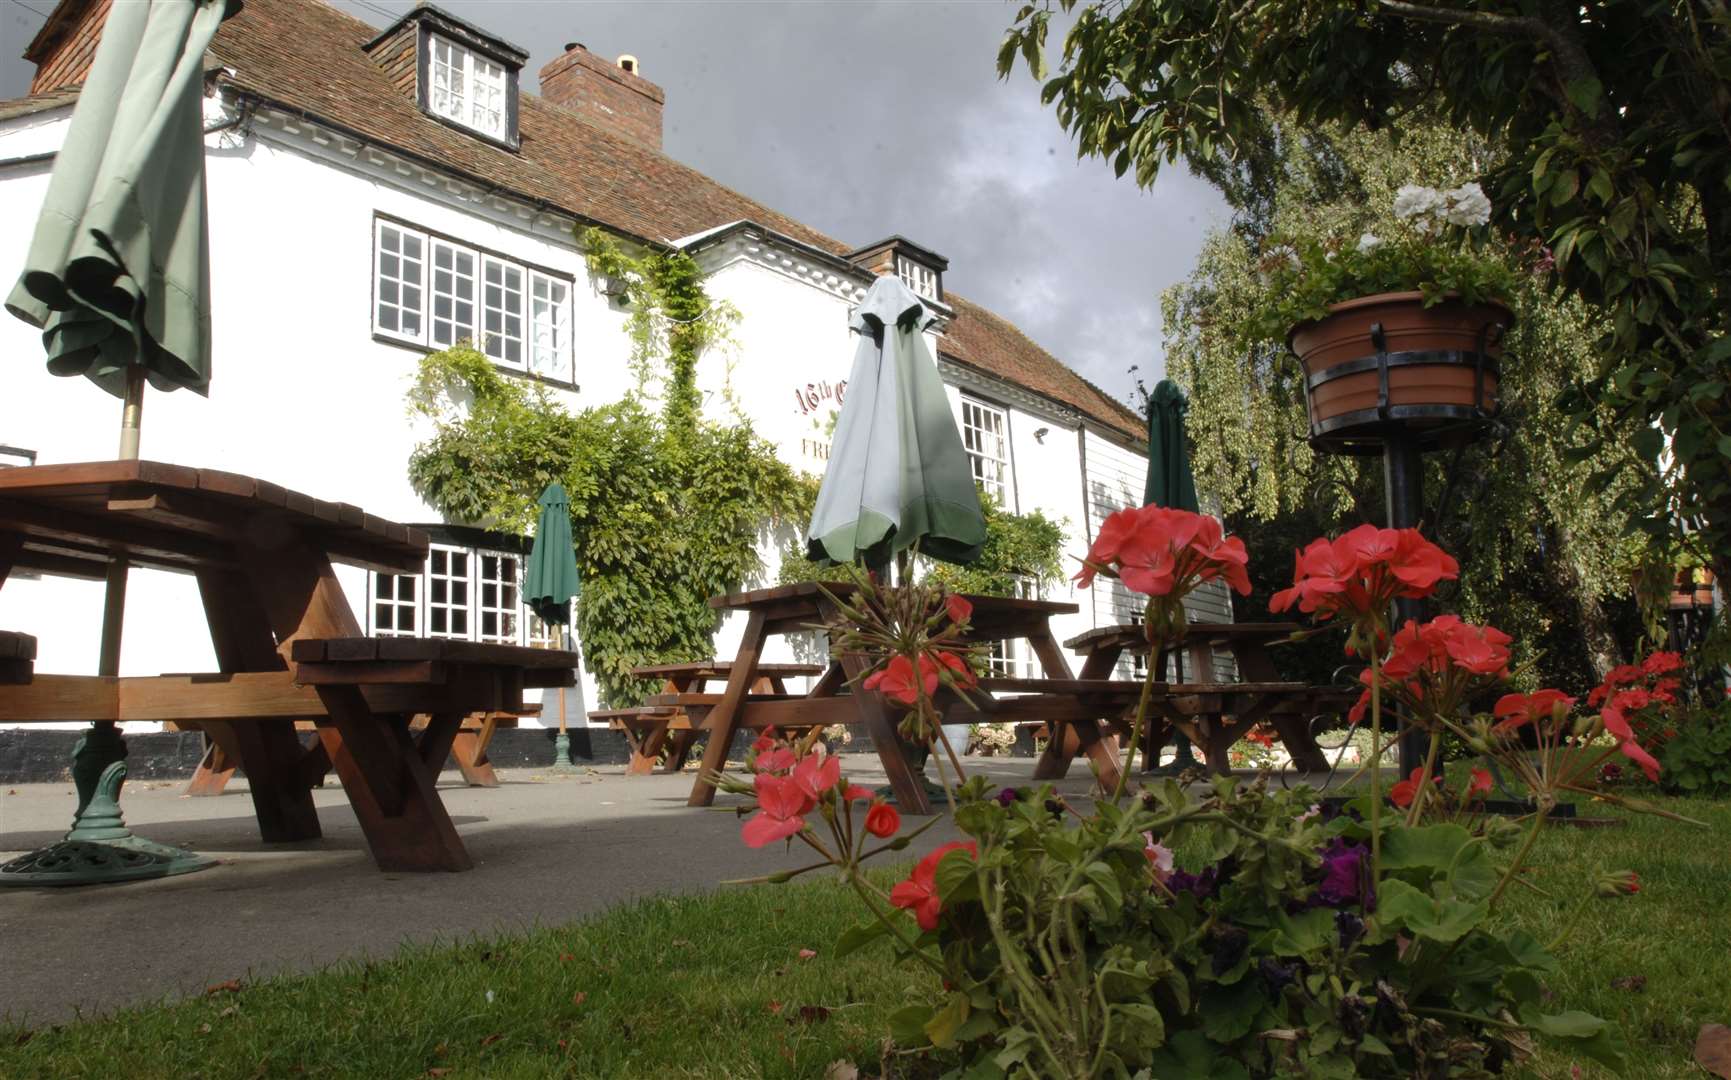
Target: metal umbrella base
100	849
562	757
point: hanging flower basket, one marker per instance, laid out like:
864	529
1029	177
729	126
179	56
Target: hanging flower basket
1386	361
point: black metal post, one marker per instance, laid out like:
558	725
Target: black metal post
1403	487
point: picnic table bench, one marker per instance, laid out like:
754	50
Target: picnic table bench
288	645
655	726
1215	715
222	757
17	657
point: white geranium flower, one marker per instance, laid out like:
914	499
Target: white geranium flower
1467	206
1413	200
1369	242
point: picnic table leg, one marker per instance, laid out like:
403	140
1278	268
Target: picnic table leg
272	756
874	714
1054	763
649	747
391	782
216	768
679	745
469	751
724	721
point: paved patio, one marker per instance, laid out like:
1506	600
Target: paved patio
546	851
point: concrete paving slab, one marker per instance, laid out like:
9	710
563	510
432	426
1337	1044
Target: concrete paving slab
546	851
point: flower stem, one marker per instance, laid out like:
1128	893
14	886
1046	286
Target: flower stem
1376	764
1539	817
1424	789
889	922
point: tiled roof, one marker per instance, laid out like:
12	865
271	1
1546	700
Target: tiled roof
35	103
995	345
308	57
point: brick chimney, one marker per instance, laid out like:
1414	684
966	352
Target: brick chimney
613	96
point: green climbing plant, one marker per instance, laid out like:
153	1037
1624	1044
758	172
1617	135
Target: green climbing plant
632	468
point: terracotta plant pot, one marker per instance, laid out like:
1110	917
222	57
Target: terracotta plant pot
1387	360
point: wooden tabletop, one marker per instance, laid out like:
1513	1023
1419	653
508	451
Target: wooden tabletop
745	601
722	667
1131	635
76	518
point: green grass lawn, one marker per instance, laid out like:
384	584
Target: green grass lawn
713	986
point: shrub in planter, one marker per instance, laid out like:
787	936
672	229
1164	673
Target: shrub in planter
1247	933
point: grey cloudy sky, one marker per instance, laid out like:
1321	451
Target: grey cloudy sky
785	99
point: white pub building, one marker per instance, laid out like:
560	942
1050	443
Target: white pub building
376	194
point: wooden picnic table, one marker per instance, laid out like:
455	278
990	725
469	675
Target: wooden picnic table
1213	714
649	729
790	609
287	643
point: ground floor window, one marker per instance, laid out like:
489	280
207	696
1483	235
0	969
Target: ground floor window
463	593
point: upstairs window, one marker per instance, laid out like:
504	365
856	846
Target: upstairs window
922	279
431	291
985	434
467	88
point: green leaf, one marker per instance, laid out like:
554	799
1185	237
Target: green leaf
1229	1012
908	1025
1585	95
944	1024
855	938
1427	916
955	877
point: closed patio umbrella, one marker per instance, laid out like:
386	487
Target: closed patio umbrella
550	584
117	277
898	473
1170	484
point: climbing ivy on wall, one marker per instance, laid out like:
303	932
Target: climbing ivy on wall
667	507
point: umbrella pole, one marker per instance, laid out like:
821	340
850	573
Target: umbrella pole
131	412
562	742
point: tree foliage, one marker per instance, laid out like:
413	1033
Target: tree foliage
1608	127
667	508
1540	541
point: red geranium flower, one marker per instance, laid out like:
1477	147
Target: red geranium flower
959	609
1479	784
777	759
1649	765
919	893
882	820
896	680
1516	710
816	774
960	673
780	809
1159	551
1402	793
1362	571
1660	663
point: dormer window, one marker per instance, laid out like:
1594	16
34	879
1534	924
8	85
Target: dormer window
468	88
458	73
920	269
922	279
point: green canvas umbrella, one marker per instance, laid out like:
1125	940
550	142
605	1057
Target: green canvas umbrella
118	279
1170	484
117	276
898	473
550	584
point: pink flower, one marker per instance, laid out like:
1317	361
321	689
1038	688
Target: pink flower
780	809
919	893
776	760
1158	854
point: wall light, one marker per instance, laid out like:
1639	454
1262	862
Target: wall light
1040	434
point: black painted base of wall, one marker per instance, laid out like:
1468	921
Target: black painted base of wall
35	755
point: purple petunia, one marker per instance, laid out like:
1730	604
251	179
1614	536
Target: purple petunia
1344	873
1007	796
